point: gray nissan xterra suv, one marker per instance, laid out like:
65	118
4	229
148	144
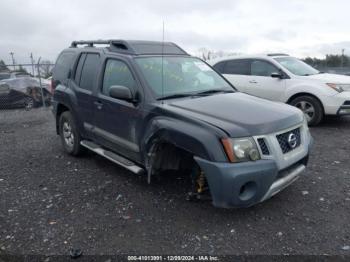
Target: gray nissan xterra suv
150	107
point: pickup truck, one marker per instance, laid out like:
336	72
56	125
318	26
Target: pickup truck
150	107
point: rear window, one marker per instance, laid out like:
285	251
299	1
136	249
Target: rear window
237	67
63	64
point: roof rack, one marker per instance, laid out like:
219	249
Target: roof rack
277	54
135	47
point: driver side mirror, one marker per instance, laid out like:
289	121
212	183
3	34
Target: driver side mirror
121	92
277	75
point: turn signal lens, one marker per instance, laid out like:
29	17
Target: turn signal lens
226	142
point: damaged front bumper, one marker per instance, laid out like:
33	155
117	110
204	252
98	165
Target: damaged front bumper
246	184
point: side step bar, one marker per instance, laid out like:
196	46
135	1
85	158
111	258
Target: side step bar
131	166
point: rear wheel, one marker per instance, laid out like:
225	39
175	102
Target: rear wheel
69	134
311	107
28	103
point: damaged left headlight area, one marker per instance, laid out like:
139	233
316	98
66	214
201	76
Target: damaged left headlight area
241	149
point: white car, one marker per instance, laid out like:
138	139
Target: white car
280	77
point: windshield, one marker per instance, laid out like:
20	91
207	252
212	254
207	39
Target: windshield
296	66
4	76
181	76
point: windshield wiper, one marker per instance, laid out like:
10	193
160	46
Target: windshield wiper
174	96
207	92
213	91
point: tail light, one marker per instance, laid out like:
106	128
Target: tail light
52	86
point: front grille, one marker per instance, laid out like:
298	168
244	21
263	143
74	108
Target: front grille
264	149
286	143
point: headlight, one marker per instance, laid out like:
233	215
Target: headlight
241	149
339	87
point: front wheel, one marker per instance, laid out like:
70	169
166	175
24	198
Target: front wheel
311	107
69	134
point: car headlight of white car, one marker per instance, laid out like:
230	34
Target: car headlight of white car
339	87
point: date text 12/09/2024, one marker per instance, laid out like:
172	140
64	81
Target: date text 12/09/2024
173	258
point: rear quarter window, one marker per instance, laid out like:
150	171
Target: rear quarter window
219	67
62	66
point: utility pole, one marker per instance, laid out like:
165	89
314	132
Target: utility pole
32	61
342	57
13	60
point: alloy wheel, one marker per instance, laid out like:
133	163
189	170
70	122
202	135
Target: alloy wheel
308	110
68	134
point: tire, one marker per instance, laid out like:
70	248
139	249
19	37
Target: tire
69	134
28	103
311	107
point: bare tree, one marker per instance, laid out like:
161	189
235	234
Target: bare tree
46	68
204	53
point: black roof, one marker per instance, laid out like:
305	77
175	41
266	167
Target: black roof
135	47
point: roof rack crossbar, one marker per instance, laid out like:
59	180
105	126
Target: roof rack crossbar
277	54
134	47
91	43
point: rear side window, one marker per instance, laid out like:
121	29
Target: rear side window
89	71
237	67
117	73
79	68
262	68
220	67
63	64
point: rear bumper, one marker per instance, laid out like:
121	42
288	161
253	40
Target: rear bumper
249	183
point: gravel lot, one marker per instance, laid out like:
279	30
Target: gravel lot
50	202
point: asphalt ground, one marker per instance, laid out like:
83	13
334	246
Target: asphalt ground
51	202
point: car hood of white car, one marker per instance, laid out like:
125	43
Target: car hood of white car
330	78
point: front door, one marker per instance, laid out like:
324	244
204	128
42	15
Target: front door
261	84
117	122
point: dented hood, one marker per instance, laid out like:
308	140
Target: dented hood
238	114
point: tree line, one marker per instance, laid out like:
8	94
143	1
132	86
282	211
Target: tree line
329	61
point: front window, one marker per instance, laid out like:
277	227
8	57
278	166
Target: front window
262	68
296	66
180	76
117	73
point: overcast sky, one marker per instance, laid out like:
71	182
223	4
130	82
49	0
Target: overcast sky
299	27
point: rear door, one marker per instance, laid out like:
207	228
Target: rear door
117	122
261	84
83	83
237	72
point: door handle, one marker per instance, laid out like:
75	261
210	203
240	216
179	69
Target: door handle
98	104
253	82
